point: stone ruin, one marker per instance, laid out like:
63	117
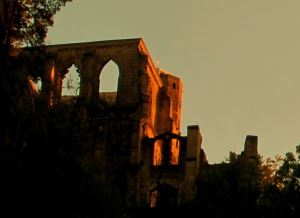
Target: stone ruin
136	130
136	139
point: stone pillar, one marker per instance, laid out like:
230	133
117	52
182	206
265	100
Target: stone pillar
194	140
85	86
89	67
192	163
250	148
46	80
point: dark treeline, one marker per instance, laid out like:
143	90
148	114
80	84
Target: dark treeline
42	172
245	187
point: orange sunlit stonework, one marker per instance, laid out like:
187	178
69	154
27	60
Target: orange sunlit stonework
52	74
52	77
175	145
173	152
33	85
157	153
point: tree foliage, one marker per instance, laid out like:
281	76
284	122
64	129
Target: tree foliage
245	187
22	23
25	22
230	188
282	195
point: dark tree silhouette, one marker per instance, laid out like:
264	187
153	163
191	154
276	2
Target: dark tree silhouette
41	171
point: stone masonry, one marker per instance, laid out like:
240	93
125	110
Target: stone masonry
136	131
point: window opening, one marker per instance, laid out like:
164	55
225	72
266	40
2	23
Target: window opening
36	84
109	77
71	82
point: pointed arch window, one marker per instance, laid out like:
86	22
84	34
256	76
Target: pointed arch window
71	82
109	77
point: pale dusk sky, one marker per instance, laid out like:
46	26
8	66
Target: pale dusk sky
239	61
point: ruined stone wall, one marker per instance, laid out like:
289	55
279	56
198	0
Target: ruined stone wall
147	104
90	58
